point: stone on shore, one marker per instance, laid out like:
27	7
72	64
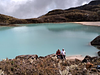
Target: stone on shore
96	41
98	53
89	59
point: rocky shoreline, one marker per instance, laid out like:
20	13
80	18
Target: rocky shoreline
48	65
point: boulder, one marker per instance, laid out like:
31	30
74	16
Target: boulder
99	53
89	65
26	57
89	59
86	59
96	41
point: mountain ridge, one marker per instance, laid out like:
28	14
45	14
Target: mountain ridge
87	12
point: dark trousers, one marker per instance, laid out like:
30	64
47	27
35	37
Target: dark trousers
63	56
59	56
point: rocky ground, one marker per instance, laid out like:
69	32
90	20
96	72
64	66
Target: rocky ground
48	65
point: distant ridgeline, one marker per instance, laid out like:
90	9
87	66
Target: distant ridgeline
95	2
88	12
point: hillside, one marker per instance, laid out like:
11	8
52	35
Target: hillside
88	12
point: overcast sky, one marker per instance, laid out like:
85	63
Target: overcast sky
35	8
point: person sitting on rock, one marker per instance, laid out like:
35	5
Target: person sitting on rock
63	53
58	53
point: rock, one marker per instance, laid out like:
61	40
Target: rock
2	72
41	57
26	57
51	55
77	61
89	59
73	66
99	53
31	60
89	65
94	69
96	41
54	58
86	59
94	59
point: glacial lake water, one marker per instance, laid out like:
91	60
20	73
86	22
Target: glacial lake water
43	39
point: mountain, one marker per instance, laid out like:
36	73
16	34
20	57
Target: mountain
8	20
96	2
88	12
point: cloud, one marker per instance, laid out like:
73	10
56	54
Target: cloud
35	8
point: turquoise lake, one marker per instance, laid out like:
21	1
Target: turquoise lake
43	39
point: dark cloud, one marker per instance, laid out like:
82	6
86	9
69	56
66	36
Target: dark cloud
36	8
